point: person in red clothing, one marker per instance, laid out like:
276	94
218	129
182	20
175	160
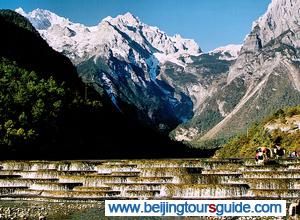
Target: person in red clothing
298	151
295	154
259	158
263	154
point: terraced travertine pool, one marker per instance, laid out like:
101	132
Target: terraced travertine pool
88	183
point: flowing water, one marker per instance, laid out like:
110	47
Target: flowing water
94	181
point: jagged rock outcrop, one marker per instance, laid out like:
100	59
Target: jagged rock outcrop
122	56
229	52
164	79
167	80
265	76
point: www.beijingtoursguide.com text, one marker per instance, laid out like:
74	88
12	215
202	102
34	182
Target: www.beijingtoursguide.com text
218	208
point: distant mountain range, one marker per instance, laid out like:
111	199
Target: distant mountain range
169	83
264	77
47	112
165	78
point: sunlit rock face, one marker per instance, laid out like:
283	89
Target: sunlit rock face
170	83
282	16
122	57
165	78
264	74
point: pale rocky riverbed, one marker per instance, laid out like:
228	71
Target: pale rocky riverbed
33	210
50	210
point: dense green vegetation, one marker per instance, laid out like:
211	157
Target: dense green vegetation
209	117
38	88
27	103
283	113
34	109
17	19
244	145
47	112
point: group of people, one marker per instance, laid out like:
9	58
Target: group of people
265	153
295	154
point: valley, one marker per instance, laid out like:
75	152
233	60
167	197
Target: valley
169	83
122	110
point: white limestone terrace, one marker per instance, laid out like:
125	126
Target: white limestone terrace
149	179
80	41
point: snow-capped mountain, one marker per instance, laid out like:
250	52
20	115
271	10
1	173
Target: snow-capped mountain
228	52
43	19
264	77
169	80
164	77
109	32
124	57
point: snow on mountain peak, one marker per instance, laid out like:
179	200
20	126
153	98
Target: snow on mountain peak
186	45
177	36
129	19
108	18
43	19
21	11
111	34
280	17
228	52
126	19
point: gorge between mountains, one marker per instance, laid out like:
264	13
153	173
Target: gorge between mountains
121	110
125	83
171	85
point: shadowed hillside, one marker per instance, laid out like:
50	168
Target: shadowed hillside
45	113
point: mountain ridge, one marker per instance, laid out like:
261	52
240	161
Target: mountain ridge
171	83
281	128
139	52
175	43
48	113
266	65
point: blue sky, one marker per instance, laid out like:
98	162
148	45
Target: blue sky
212	23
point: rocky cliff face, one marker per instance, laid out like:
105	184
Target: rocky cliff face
281	16
265	76
280	24
167	80
163	79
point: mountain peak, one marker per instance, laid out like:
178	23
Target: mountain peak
38	11
110	32
21	11
279	17
126	19
108	18
228	52
42	19
129	16
42	14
